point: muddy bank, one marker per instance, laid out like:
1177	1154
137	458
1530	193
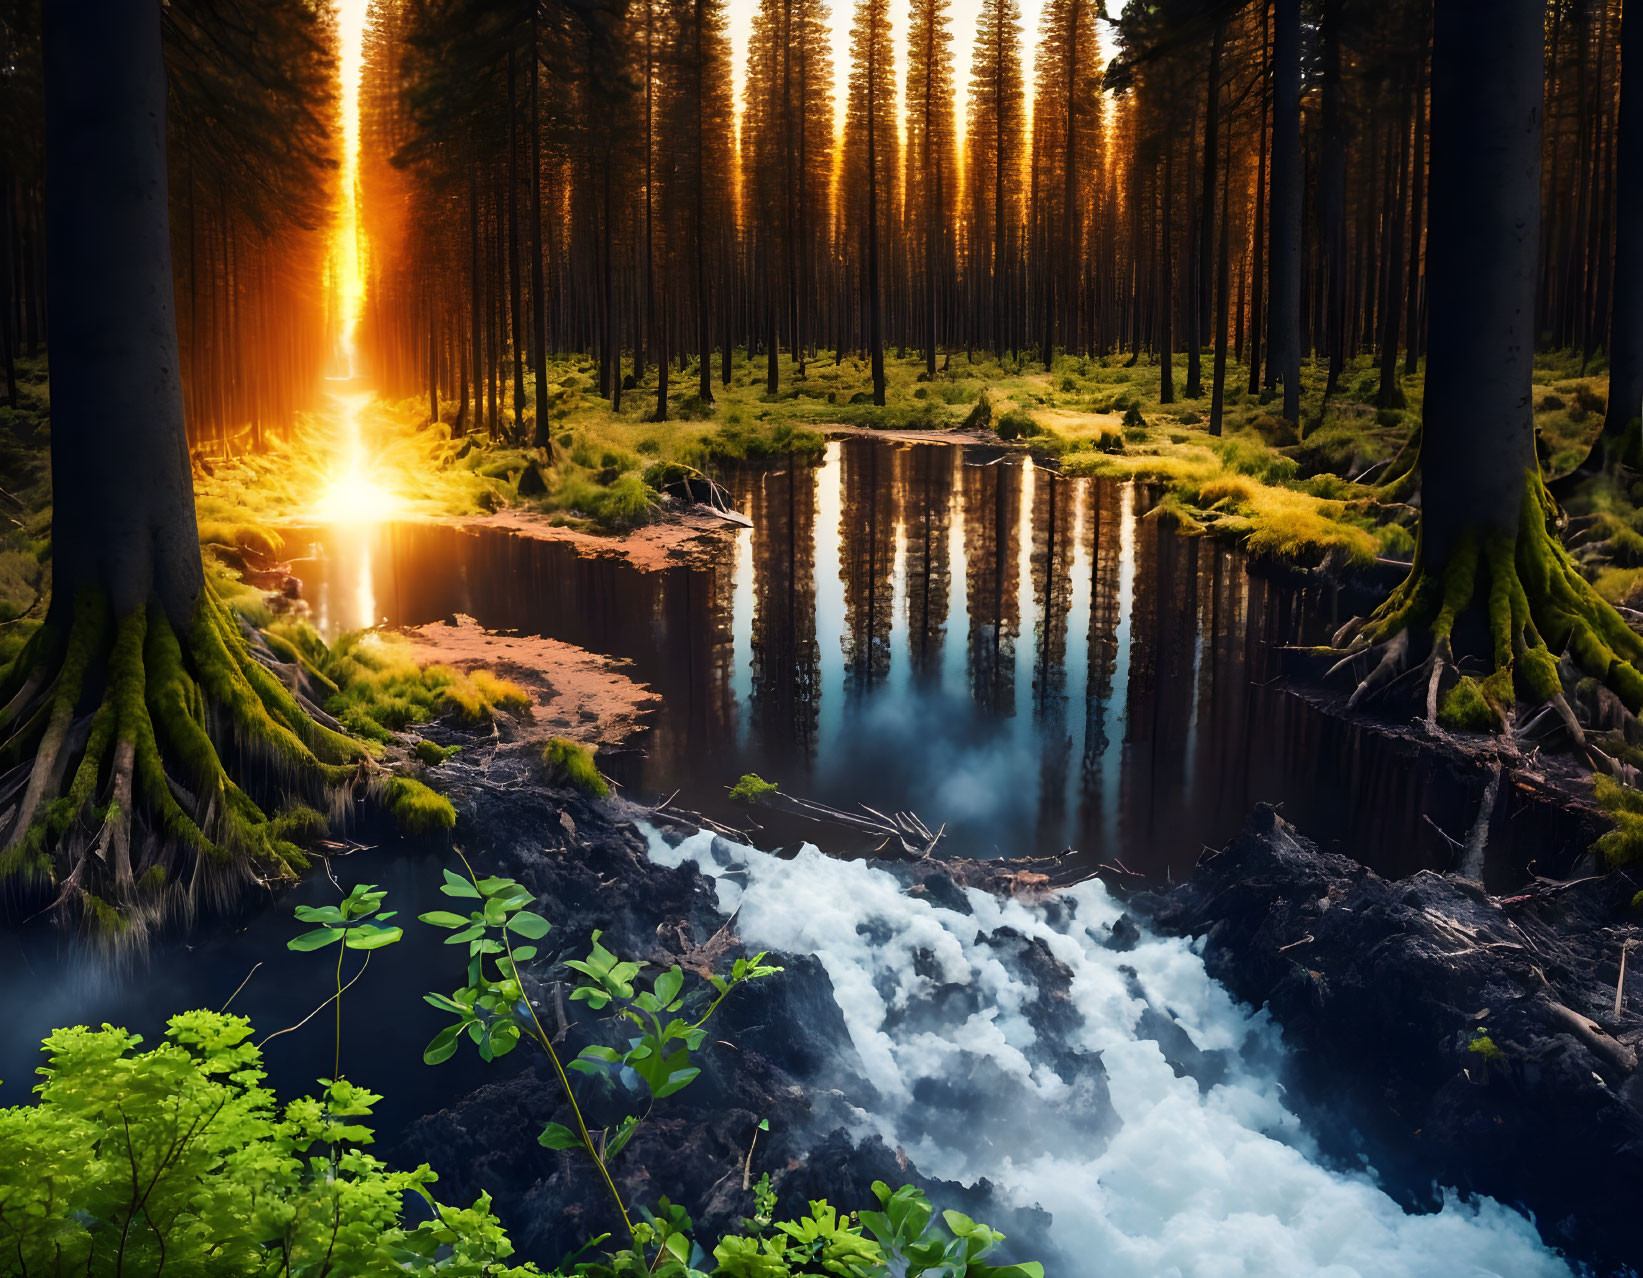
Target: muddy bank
1444	1035
691	535
582	695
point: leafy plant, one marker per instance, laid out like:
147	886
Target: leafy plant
493	1010
177	1160
355	922
751	788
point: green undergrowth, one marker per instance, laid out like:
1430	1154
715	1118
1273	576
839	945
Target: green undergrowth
1623	845
573	763
181	1159
376	687
752	788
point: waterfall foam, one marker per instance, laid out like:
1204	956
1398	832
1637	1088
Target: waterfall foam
1092	1071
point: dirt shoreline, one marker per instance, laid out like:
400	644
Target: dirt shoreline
585	696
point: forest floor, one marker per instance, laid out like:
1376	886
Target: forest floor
1310	496
1306	497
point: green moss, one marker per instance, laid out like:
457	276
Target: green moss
1464	708
255	540
416	809
572	762
751	788
432	754
1623	845
1484	1046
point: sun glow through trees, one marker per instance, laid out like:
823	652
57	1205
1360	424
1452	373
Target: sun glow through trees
354	493
347	279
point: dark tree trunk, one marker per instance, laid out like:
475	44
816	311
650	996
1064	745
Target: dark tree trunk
1166	290
1417	200
539	320
704	320
1332	194
124	521
1206	224
1217	405
1478	436
1284	326
478	319
1626	317
875	304
1258	270
514	311
1391	393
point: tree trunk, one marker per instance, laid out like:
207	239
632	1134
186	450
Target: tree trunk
1258	270
1478	435
123	521
539	323
1206	223
1284	329
1626	317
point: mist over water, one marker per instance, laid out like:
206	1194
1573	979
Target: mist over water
1115	1085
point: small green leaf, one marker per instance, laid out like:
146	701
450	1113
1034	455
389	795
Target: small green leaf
444	918
530	925
456	885
558	1136
367	936
318	914
443	1045
318	939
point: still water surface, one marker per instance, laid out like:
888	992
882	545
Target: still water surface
1023	658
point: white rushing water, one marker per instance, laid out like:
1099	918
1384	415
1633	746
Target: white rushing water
1162	1174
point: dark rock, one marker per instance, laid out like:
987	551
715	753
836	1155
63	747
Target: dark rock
1452	1037
779	1052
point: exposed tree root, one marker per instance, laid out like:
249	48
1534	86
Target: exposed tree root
126	746
1528	617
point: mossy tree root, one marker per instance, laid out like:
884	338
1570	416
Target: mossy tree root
1541	622
117	794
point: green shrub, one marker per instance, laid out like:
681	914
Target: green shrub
178	1160
1017	425
752	787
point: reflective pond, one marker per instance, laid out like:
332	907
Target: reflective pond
1023	659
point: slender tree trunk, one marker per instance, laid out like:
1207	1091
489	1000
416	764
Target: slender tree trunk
1206	222
1284	331
1218	394
543	435
478	320
704	319
1166	288
874	302
1257	275
1417	198
1391	393
514	310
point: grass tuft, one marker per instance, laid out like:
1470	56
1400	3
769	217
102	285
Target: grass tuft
571	761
